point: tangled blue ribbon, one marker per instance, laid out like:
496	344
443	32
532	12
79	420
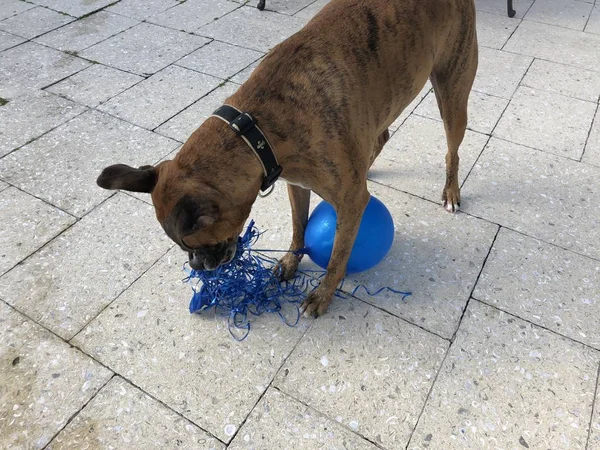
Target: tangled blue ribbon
248	285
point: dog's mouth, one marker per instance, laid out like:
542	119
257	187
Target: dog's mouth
210	259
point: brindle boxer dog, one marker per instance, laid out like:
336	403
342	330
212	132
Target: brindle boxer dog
324	98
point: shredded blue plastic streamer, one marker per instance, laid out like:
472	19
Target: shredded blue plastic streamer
248	286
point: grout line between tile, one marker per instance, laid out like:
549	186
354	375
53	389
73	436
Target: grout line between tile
595	409
595	120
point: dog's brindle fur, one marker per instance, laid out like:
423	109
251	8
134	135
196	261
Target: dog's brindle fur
324	98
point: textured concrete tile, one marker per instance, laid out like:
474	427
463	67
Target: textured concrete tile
278	421
248	27
43	381
144	49
547	121
593	25
413	160
243	75
31	66
289	7
369	370
220	59
311	10
3	185
484	111
27	224
95	85
564	13
426	92
27	117
566	80
34	21
123	416
435	255
9	8
557	44
543	284
499	73
192	14
69	281
592	148
77	8
493	30
141	10
509	384
160	97
544	196
8	40
594	440
185	123
86	32
62	166
149	336
499	7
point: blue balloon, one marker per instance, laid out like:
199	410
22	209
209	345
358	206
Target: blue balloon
373	242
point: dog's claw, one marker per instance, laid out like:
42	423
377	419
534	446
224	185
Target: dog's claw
286	268
315	304
451	200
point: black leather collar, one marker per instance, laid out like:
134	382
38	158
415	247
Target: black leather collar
243	125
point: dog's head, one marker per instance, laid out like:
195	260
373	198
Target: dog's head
203	221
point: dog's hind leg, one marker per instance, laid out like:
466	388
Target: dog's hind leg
452	81
381	140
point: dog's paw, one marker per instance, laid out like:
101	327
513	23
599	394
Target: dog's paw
316	304
451	199
286	268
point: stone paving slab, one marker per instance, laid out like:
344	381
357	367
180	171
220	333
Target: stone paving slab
123	416
279	421
220	59
27	224
9	8
359	365
592	149
28	117
186	122
144	49
593	25
3	185
95	85
499	8
425	93
160	97
494	30
240	28
556	44
509	384
546	285
547	121
542	195
499	73
285	6
86	32
44	381
193	14
141	10
76	8
212	380
594	441
312	9
34	21
62	166
563	13
68	282
243	75
8	40
32	66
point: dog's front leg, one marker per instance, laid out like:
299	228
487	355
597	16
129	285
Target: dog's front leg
349	214
300	202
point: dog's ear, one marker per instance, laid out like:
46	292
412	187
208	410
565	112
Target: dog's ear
121	176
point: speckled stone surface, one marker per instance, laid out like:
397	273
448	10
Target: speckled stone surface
8	40
68	282
220	59
312	9
413	160
543	284
160	97
279	421
27	224
34	21
509	384
240	28
567	14
144	49
493	30
122	416
499	73
592	148
193	14
593	25
75	8
499	8
28	117
3	185
287	6
9	8
556	44
185	123
547	121
243	75
86	32
426	92
31	66
43	382
594	441
212	380
536	193
95	85
62	166
360	365
141	9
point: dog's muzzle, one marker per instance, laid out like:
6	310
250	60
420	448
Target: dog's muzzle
213	257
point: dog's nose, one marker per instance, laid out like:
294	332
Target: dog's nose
195	263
